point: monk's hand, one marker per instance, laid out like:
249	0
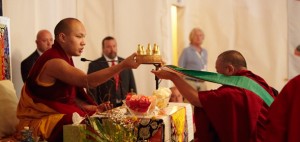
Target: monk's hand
163	62
104	106
163	74
130	62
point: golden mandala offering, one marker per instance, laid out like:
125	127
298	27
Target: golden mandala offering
148	56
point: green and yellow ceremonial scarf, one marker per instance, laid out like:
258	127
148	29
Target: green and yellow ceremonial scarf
237	81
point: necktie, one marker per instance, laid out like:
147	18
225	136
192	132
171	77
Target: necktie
116	77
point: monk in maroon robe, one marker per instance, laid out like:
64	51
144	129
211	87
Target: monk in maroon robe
227	114
283	123
53	90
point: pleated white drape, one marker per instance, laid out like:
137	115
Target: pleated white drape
258	29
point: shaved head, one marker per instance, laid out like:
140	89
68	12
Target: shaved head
64	26
234	58
41	33
230	62
44	40
70	35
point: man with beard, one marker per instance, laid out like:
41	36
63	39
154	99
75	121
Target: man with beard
115	89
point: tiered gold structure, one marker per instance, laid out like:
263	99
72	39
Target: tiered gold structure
148	56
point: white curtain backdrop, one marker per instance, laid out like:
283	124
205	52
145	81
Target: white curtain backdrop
258	29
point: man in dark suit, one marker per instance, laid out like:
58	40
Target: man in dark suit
44	41
115	89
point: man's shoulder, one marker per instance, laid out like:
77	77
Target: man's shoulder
227	89
97	64
295	79
32	57
235	95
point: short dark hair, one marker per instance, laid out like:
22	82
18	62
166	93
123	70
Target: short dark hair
63	26
233	57
298	48
107	38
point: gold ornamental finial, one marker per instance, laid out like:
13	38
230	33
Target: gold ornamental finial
156	49
149	50
139	50
143	50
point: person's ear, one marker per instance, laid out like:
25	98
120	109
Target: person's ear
62	37
230	69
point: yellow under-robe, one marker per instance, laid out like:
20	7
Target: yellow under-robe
40	118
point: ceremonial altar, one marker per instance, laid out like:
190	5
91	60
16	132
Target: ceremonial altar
173	123
141	118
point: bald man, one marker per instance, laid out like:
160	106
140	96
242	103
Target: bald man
44	41
226	114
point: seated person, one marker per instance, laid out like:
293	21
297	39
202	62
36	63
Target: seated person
175	95
54	89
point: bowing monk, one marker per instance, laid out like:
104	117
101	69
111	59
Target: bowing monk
226	114
54	88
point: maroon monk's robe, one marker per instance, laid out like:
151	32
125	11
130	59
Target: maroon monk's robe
42	104
283	123
60	96
231	114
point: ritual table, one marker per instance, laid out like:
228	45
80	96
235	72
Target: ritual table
173	123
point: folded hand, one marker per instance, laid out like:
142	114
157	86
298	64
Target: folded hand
104	106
